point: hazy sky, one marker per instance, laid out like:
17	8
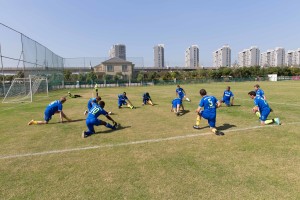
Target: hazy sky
88	28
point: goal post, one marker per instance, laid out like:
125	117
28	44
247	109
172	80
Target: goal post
24	89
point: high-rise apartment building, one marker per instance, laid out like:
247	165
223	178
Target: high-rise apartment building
159	55
249	57
192	56
118	50
222	57
273	58
293	58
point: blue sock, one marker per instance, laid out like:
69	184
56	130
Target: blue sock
110	126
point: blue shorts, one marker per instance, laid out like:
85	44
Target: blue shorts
227	102
90	123
47	116
264	114
120	103
181	96
211	118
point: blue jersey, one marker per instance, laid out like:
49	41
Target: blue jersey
90	103
176	101
261	104
122	97
209	104
227	95
146	97
95	111
53	107
180	92
260	93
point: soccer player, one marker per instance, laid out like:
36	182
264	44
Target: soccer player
208	110
259	92
261	106
123	100
176	103
90	103
73	95
92	119
181	93
147	99
96	89
51	109
228	97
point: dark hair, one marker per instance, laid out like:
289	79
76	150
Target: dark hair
256	85
252	93
98	98
228	87
102	104
178	85
147	93
124	93
202	92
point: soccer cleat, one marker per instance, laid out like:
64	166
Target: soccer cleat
85	112
116	125
277	121
31	122
109	113
84	135
196	127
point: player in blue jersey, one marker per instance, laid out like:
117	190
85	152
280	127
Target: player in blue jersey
51	109
92	119
147	99
228	97
90	103
176	104
123	100
181	93
259	92
208	110
262	106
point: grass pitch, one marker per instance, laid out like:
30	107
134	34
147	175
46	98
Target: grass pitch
155	154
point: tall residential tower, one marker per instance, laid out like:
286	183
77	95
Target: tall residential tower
118	50
159	56
192	56
222	57
249	57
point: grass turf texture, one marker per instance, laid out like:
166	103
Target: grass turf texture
258	163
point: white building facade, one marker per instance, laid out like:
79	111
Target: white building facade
293	58
192	56
118	51
249	57
273	58
222	57
159	55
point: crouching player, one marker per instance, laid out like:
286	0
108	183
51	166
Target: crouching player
123	100
51	109
92	119
176	103
147	99
228	97
262	109
209	112
90	103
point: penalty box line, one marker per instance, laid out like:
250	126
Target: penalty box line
135	142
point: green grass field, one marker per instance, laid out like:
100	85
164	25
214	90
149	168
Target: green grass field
155	154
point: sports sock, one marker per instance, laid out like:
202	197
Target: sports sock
198	120
187	99
269	121
108	125
214	130
258	114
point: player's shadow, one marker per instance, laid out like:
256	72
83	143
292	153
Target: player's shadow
225	127
235	105
183	112
111	131
75	120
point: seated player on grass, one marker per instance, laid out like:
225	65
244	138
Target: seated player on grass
147	99
90	103
209	111
262	109
228	97
123	100
73	95
181	93
176	104
51	109
92	119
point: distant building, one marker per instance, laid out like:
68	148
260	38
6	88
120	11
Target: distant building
192	56
293	58
115	65
249	57
159	56
273	58
118	50
222	57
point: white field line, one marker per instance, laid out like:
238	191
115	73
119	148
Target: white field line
134	142
271	102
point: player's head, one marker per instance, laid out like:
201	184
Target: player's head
252	94
147	93
63	99
256	87
124	93
98	98
178	86
202	92
228	88
102	104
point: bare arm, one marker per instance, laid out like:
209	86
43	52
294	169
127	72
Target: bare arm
108	117
62	115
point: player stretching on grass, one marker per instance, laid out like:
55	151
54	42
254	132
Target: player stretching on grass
176	103
90	104
181	93
261	106
92	119
147	99
123	100
209	112
51	109
227	96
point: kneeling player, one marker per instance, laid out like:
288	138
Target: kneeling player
228	97
176	103
90	103
262	109
147	99
92	119
123	100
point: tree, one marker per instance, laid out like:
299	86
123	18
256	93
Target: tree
20	74
140	77
67	74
